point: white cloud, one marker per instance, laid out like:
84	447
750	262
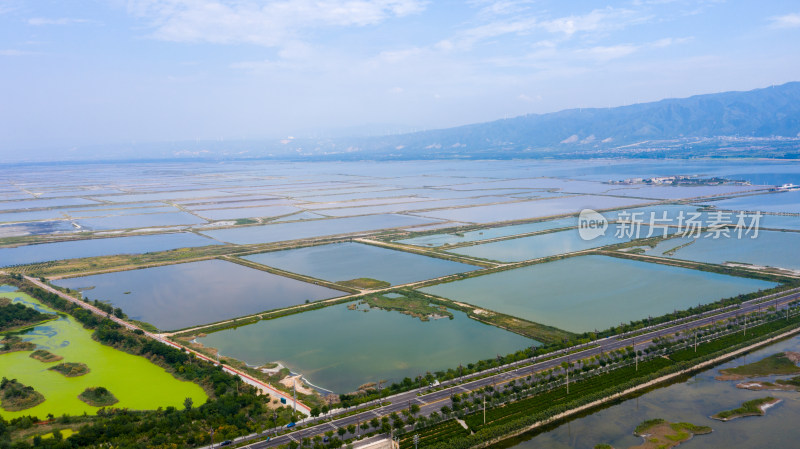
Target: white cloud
571	139
786	21
396	56
529	99
607	53
39	21
596	20
523	24
668	41
264	23
500	7
13	52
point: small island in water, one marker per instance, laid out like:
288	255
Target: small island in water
776	364
661	434
71	369
98	397
755	407
45	356
15	396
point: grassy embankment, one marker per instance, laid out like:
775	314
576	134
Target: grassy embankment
739	271
365	283
539	332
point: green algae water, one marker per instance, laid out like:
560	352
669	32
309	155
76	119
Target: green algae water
135	381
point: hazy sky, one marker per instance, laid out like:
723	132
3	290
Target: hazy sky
77	72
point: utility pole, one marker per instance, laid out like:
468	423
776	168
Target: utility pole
212	438
635	354
416	440
567	374
484	409
695	341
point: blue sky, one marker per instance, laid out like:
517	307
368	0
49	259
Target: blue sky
80	72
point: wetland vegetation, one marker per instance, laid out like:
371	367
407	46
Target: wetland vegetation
98	397
228	404
70	369
45	356
777	364
753	407
15	396
410	303
661	434
17	315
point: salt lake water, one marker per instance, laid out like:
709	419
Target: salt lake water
585	293
178	296
349	348
346	261
769	248
101	247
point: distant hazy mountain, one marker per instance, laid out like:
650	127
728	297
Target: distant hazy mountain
740	116
758	123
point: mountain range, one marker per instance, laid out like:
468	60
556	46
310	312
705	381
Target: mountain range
757	123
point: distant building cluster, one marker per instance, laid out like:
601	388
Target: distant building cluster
681	180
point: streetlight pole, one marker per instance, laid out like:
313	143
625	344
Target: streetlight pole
294	395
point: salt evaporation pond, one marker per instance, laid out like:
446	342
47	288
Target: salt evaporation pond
346	261
585	293
182	295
